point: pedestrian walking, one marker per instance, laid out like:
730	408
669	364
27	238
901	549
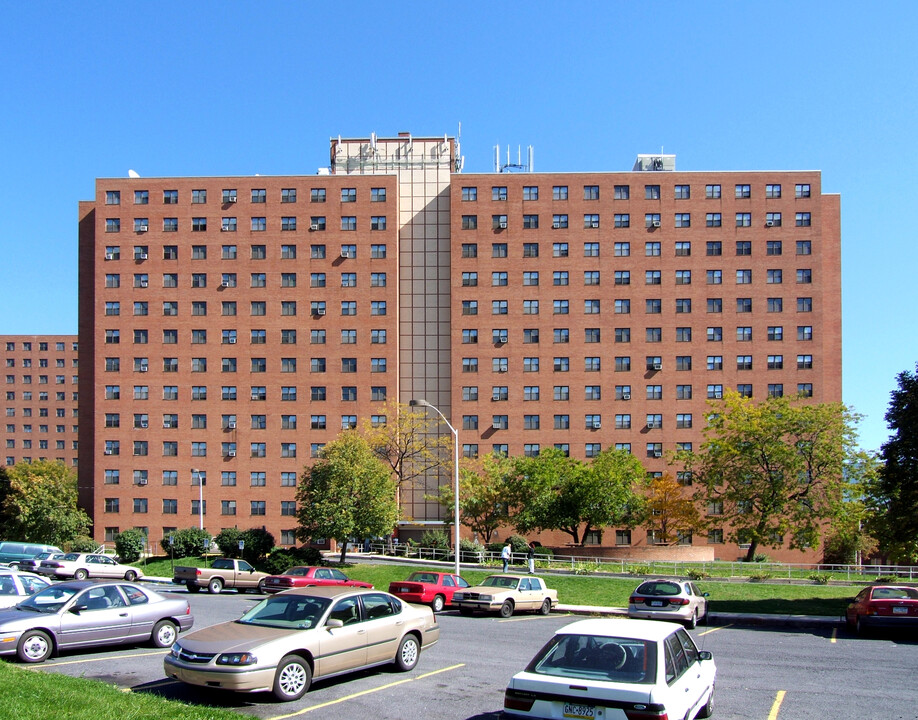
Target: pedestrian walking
505	555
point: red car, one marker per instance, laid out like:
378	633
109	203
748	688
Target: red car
883	606
428	588
302	576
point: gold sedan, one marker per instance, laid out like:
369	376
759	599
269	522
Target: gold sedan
285	641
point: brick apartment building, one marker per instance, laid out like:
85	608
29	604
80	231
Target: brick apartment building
232	326
40	398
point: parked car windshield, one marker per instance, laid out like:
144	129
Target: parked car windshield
70	557
595	657
423	577
299	612
501	582
50	599
656	587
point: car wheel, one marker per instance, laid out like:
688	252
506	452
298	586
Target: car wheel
859	627
261	587
164	634
692	622
506	610
192	588
80	574
708	708
34	646
130	576
408	653
546	607
438	603
215	586
292	678
465	611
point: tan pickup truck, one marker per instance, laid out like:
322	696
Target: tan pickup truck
223	573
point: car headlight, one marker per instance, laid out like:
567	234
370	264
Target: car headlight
242	658
175	650
458	596
486	598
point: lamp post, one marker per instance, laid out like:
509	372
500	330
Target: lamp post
455	431
201	482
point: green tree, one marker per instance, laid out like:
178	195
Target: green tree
669	510
41	504
130	544
848	540
258	544
774	468
893	497
556	492
482	495
348	493
228	542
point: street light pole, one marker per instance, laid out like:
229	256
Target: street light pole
455	431
201	482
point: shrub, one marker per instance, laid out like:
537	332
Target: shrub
696	574
470	550
639	569
820	578
83	544
187	542
130	544
758	576
228	542
434	539
258	543
280	560
761	558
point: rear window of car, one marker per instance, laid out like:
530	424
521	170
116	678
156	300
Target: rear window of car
596	657
659	588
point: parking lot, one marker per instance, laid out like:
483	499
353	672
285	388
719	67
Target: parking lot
763	673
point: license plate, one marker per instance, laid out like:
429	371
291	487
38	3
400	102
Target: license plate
656	603
900	611
581	712
404	589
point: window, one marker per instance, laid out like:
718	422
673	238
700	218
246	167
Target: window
469	194
348	307
317	195
775	362
683	277
775	305
288	195
559	221
802	219
743	334
744	362
469	222
470	250
530	222
804	304
773	219
348	223
651	192
591	192
776	390
683	220
804	362
743	219
560	307
499	250
591	221
804	332
622	307
804	276
652	220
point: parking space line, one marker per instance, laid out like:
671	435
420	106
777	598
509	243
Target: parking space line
365	692
776	706
713	630
522	618
101	659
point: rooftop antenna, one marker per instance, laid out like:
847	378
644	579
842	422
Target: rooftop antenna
511	166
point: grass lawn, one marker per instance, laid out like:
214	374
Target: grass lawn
27	694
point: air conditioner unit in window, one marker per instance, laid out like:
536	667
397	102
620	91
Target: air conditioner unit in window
141	256
109	452
718	395
501	369
497	425
144	424
231	426
626	396
231	199
320	311
658	366
769	223
314	226
502	225
232	341
143	368
142	481
109	256
167	425
225	283
144	283
657	454
597	424
142	228
345	253
556	225
231	453
655	223
594	223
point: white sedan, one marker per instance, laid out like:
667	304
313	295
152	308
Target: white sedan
86	565
17	586
615	669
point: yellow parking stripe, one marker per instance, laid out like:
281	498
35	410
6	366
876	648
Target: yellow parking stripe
713	630
365	692
522	618
55	664
776	706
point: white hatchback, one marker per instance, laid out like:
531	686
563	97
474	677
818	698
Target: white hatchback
615	669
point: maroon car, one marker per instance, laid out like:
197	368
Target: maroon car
428	588
303	576
887	606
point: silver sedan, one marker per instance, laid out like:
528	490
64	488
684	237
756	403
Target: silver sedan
86	613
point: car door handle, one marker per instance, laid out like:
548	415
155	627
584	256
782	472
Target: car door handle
361	632
122	614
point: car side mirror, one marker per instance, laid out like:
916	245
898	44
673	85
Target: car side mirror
77	608
705	594
334	623
705	655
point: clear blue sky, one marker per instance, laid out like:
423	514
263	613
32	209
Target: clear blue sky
212	88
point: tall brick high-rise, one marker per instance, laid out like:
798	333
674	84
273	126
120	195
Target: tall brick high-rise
231	326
